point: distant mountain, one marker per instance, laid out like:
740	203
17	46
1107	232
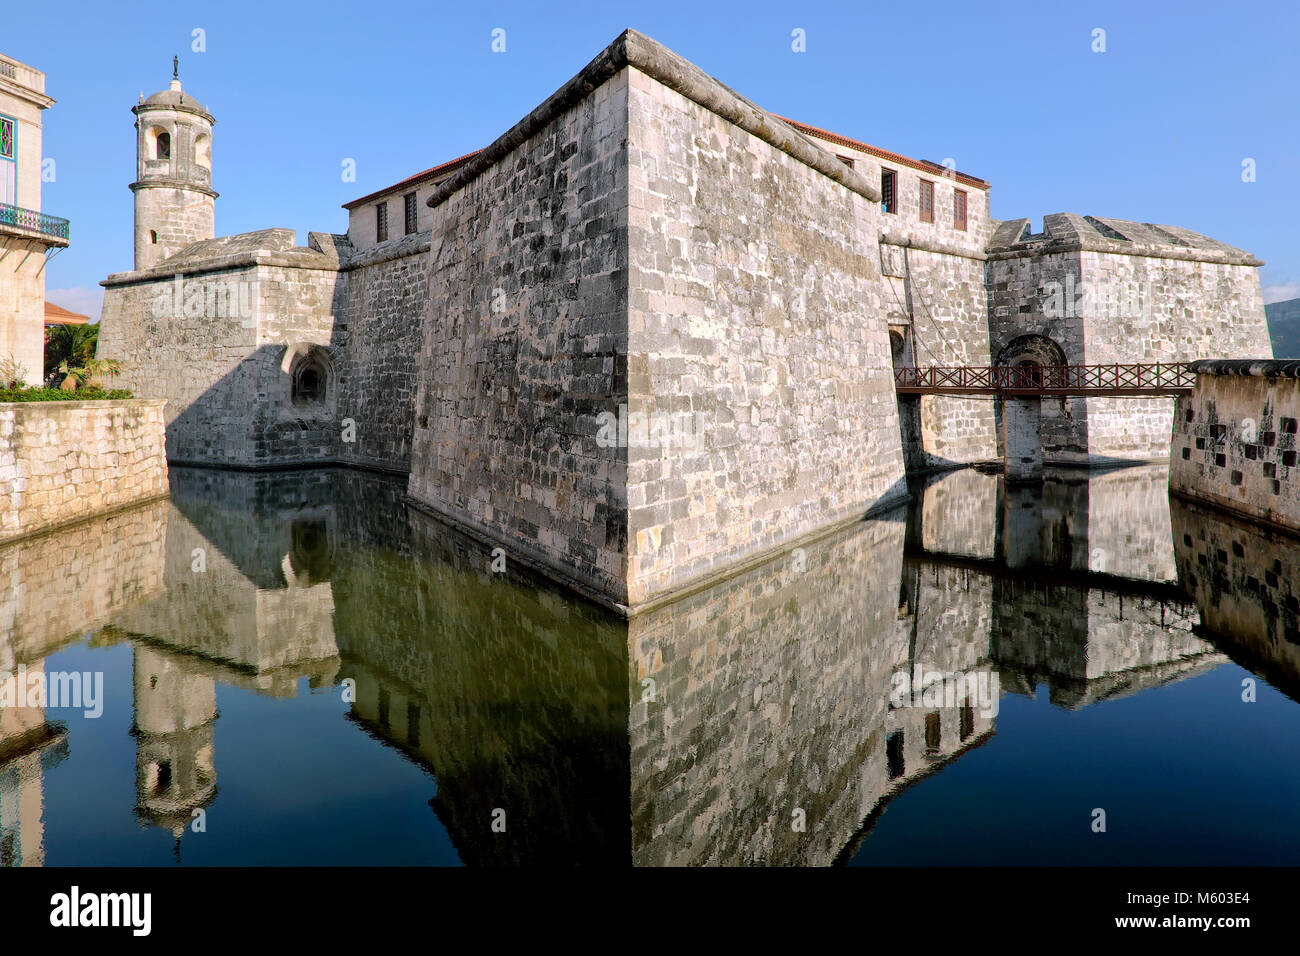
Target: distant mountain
1284	328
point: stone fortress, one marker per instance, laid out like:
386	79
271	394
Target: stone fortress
732	290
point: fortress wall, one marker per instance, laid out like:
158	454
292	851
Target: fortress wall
381	344
1104	308
1143	309
757	334
1235	439
512	383
1027	298
212	343
61	462
950	326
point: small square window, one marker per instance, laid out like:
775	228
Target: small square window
381	222
927	201
846	161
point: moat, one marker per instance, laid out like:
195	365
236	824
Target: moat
299	668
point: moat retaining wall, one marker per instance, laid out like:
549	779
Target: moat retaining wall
1234	439
64	461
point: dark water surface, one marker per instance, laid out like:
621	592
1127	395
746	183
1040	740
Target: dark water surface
298	669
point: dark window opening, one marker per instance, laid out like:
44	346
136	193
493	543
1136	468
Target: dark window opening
846	161
932	731
153	236
413	724
927	201
896	343
164	781
888	190
959	209
894	754
163	148
967	720
409	202
381	222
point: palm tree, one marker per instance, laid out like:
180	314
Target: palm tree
70	345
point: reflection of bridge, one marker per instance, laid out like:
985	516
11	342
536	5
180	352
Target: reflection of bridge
1153	378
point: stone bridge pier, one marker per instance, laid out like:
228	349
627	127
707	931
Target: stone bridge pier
1020	439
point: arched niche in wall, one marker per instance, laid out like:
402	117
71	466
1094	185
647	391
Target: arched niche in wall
160	141
203	151
312	380
1032	349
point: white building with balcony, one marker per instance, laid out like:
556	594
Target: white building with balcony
27	236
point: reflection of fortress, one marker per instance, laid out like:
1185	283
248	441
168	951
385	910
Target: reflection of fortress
698	732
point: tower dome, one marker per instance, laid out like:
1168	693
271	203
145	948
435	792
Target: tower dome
174	199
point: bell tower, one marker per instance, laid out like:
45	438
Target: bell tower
174	199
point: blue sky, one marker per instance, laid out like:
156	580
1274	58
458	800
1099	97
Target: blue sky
1155	128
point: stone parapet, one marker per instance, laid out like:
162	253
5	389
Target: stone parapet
637	50
64	461
1235	439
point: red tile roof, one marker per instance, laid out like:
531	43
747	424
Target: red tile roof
415	180
923	165
57	315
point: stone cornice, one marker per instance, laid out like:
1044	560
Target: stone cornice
174	184
634	49
412	245
932	245
141	108
1117	248
305	259
17	90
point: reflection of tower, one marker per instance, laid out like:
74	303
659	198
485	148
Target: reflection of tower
29	746
174	713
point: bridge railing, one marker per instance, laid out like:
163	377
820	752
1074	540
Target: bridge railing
1149	378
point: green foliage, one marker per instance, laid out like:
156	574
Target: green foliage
92	393
83	375
73	344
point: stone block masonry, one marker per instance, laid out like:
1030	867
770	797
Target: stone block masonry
756	331
215	330
526	345
64	461
653	237
1235	440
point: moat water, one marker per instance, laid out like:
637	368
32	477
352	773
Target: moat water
296	668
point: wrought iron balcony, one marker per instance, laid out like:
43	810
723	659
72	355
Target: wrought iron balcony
29	220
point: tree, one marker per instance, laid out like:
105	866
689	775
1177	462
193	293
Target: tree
72	346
